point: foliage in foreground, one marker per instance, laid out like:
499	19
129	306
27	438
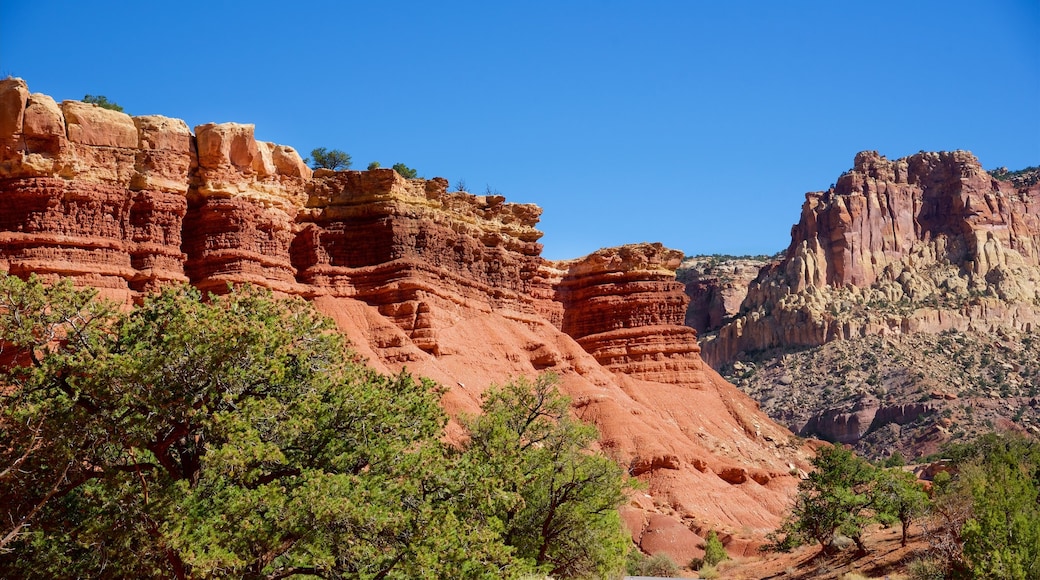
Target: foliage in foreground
986	519
237	437
983	520
845	493
557	503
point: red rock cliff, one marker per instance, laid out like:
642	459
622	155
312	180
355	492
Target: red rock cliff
450	285
928	242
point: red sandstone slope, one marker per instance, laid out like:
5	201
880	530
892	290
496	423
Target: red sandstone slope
446	284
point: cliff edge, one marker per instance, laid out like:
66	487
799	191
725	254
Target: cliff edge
446	284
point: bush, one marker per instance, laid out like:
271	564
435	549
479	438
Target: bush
102	101
658	565
373	165
925	569
709	572
714	551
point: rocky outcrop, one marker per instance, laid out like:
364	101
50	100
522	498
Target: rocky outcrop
930	242
717	287
243	203
849	425
449	285
91	193
624	307
420	254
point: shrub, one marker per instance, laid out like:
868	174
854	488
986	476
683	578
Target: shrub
925	569
714	551
102	101
660	565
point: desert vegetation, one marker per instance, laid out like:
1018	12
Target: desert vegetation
322	158
237	436
103	102
975	383
981	518
405	171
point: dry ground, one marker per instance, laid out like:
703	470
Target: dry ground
886	560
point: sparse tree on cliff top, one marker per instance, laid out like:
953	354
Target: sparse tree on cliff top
102	101
322	158
405	171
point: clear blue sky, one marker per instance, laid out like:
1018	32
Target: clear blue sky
700	125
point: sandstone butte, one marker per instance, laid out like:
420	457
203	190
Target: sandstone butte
449	285
926	243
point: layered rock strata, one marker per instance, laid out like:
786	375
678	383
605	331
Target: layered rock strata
930	242
449	285
624	307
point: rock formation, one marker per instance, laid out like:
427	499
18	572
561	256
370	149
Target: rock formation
625	308
717	287
849	337
929	242
446	284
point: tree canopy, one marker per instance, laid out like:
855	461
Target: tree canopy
556	504
843	494
322	158
998	478
238	436
405	171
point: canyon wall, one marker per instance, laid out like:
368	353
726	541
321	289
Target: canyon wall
447	285
717	287
930	242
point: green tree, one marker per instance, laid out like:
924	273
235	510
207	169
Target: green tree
836	497
555	503
1000	474
322	158
228	436
102	101
373	165
895	460
48	445
196	437
405	171
899	498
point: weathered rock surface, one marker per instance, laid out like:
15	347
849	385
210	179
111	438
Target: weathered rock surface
450	285
716	287
902	392
927	243
624	307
